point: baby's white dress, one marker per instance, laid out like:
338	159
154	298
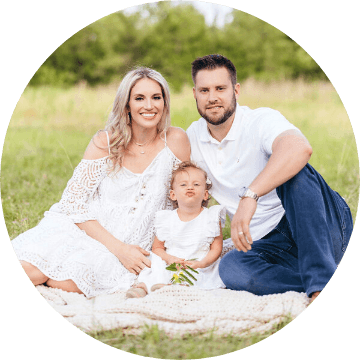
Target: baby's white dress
124	203
186	240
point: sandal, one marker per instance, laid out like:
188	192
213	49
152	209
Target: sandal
135	293
157	287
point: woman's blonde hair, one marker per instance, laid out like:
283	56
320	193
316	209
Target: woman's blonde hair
119	121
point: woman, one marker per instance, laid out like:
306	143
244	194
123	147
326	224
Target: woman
95	240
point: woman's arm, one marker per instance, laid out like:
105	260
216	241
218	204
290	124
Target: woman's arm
213	254
158	248
131	256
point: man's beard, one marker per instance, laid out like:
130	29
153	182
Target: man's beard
230	111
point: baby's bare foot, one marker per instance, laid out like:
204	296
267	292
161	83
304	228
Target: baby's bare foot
157	287
138	291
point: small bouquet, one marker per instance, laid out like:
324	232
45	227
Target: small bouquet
180	272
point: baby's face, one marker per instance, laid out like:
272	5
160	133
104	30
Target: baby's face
189	188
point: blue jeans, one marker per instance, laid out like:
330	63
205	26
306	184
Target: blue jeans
302	252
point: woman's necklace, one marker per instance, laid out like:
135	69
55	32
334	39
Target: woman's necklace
145	143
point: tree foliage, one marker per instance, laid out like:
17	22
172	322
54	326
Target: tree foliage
168	38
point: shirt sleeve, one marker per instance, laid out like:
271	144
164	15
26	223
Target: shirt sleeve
269	125
162	224
81	188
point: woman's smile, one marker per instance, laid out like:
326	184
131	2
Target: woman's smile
146	104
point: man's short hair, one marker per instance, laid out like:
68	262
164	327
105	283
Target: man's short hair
211	62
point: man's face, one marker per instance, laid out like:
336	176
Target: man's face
215	95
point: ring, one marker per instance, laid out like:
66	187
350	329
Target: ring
240	233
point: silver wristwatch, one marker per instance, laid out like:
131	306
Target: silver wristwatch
246	192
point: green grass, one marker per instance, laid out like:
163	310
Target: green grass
50	129
153	342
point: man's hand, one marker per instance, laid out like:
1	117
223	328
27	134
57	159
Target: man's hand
240	224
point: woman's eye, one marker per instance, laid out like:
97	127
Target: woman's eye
157	97
138	98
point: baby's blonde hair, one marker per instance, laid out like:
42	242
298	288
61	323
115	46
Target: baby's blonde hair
182	167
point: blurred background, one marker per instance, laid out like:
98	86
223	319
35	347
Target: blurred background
169	36
70	96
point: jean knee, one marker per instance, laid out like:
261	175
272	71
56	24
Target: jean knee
233	271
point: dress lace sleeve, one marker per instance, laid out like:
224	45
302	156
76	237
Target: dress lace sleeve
81	188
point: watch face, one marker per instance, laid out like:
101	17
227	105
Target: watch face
242	191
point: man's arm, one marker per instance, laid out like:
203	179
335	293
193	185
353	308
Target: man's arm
290	153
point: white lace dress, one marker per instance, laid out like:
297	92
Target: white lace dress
186	240
124	203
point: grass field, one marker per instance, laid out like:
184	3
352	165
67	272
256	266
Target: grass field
50	129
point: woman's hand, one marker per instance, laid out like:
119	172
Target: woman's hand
133	257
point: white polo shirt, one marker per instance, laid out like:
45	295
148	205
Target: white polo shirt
238	159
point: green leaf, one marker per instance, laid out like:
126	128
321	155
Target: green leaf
192	269
186	279
191	275
171	267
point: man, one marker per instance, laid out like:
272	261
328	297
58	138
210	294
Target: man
289	228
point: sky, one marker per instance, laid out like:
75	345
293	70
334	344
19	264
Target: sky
209	10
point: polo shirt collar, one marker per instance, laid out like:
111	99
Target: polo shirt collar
233	133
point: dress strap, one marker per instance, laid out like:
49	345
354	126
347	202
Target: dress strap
165	140
108	140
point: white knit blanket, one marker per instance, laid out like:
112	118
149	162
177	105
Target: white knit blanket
178	310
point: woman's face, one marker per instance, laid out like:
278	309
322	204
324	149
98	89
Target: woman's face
146	104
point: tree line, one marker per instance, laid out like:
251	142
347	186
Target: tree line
168	38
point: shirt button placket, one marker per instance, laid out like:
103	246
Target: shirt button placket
220	155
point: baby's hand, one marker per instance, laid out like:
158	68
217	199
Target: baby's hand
173	259
194	264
